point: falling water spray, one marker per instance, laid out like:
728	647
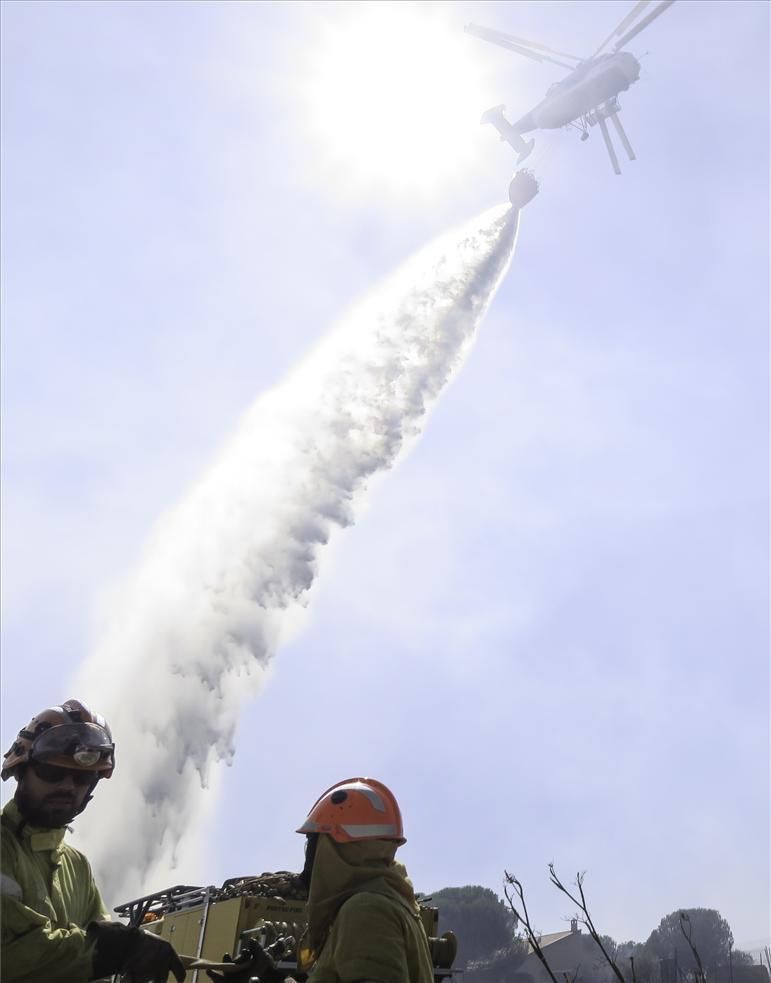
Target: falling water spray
226	575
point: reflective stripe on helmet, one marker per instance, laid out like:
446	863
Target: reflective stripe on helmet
364	831
372	795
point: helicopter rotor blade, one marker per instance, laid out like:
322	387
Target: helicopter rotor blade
530	44
623	24
519	45
656	12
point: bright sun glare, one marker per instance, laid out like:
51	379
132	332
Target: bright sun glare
395	94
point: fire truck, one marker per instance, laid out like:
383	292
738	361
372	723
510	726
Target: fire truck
206	923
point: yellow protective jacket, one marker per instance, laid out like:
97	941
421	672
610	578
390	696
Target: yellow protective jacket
374	937
363	919
48	899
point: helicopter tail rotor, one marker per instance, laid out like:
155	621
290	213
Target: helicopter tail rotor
508	132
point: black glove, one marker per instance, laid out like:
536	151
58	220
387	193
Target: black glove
143	957
253	960
152	959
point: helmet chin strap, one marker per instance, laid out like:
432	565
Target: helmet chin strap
86	798
311	844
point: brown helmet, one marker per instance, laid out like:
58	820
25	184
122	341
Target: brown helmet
356	809
70	735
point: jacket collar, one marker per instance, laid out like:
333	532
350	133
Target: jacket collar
38	838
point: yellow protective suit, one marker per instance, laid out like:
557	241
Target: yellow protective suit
363	919
48	899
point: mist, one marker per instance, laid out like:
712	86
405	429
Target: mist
225	577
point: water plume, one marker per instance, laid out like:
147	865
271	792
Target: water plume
226	575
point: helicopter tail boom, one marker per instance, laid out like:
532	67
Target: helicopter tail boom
508	132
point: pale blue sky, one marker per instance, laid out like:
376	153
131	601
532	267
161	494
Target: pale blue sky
563	590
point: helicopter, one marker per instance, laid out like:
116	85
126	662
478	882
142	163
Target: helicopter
587	97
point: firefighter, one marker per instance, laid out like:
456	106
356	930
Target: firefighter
363	918
55	927
364	922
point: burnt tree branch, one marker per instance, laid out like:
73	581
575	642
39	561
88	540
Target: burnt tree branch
585	918
510	881
686	921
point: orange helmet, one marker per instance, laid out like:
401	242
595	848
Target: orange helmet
356	809
70	735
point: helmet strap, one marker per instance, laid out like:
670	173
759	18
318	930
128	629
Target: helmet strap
310	855
88	797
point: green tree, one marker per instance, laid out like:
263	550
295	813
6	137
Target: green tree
636	955
710	935
610	945
740	958
481	921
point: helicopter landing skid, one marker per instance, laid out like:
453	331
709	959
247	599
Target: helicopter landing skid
599	117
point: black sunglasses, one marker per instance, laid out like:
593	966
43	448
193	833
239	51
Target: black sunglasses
53	774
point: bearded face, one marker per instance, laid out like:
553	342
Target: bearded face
53	801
